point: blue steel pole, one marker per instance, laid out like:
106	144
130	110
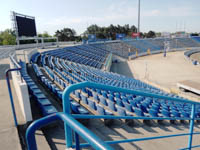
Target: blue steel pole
77	141
191	126
66	110
84	132
10	93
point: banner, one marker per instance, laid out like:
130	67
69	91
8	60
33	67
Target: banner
135	35
120	36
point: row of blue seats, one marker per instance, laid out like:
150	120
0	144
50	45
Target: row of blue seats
76	108
45	105
34	57
137	105
78	59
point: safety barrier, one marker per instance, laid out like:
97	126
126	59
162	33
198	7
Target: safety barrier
68	126
17	68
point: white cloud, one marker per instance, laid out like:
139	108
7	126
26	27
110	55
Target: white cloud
119	13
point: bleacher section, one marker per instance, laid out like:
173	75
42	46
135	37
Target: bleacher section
117	47
44	104
189	53
139	47
61	73
82	54
196	38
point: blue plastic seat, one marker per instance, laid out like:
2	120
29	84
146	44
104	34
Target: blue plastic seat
92	104
176	114
143	108
185	114
111	98
165	113
43	102
153	113
122	112
74	103
103	101
119	102
39	95
36	91
112	106
128	107
83	110
133	103
138	112
84	99
49	109
104	93
77	94
102	111
76	108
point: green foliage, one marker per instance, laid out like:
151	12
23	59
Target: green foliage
66	34
151	34
110	31
44	35
7	37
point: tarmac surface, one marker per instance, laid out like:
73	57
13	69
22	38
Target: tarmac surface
164	71
9	138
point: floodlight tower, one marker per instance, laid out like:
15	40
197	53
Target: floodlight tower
138	30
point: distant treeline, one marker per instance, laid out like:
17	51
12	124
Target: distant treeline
8	36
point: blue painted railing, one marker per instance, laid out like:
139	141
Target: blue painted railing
18	68
67	112
73	124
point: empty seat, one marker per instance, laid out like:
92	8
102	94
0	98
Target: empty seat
122	112
176	114
49	109
103	101
119	102
128	107
92	104
153	113
44	102
84	99
166	113
138	112
112	106
102	111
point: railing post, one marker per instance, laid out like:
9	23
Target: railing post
10	93
77	141
67	110
192	116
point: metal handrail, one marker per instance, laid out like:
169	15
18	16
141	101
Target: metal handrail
66	105
18	68
85	133
71	124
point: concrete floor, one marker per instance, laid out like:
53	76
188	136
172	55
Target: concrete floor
164	71
119	130
9	138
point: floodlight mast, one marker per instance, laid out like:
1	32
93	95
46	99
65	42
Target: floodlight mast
138	30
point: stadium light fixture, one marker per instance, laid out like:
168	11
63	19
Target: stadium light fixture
138	16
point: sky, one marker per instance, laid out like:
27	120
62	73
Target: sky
156	15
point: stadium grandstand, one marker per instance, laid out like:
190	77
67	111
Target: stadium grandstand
105	88
76	82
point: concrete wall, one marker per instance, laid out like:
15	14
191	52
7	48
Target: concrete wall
108	62
28	54
160	51
21	89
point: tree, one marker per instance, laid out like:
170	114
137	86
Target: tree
66	34
7	37
45	34
151	34
110	31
